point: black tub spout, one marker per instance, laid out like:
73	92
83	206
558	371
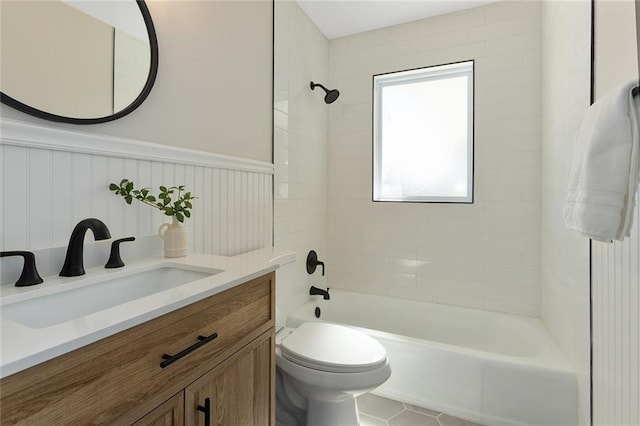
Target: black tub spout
315	291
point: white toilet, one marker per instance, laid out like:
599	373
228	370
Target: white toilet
325	367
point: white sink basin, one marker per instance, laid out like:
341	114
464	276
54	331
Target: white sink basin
104	293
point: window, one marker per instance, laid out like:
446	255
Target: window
423	134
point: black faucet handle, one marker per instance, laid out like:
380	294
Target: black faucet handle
29	275
313	262
115	261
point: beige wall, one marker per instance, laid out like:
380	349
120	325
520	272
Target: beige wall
616	54
131	63
213	90
566	45
65	65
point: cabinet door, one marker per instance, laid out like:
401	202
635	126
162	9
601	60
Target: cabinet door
239	392
169	413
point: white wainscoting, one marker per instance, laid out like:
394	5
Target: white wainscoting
616	329
53	178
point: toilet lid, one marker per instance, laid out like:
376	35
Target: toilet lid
332	348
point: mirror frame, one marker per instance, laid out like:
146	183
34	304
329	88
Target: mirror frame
151	78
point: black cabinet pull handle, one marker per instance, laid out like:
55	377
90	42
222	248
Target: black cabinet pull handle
206	410
170	359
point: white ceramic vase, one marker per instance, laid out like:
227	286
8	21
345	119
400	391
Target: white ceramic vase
174	236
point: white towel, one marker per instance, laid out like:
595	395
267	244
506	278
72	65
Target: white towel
604	171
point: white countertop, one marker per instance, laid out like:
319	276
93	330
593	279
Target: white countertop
23	347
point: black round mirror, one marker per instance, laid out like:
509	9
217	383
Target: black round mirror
77	61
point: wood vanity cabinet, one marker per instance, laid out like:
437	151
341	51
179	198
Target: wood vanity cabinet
228	378
169	413
237	392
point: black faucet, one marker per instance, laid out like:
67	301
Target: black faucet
315	291
29	275
74	261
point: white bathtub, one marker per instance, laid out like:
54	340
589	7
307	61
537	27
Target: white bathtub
493	368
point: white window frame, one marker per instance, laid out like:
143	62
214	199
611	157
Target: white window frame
465	68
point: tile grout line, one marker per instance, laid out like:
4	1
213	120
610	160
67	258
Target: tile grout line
424	414
404	404
377	418
395	415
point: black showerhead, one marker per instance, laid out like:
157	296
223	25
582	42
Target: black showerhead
331	95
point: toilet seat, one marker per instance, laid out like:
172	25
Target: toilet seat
332	348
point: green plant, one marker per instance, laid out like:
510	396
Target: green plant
164	201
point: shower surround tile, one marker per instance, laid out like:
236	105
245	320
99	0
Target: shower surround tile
488	251
300	149
565	254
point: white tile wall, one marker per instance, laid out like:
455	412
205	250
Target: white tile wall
565	255
485	255
300	149
51	179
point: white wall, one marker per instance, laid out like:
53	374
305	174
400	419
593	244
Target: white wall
213	91
50	180
566	45
616	266
300	150
485	255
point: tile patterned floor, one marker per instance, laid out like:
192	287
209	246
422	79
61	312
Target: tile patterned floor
378	411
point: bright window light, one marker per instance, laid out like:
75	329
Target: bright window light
423	134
